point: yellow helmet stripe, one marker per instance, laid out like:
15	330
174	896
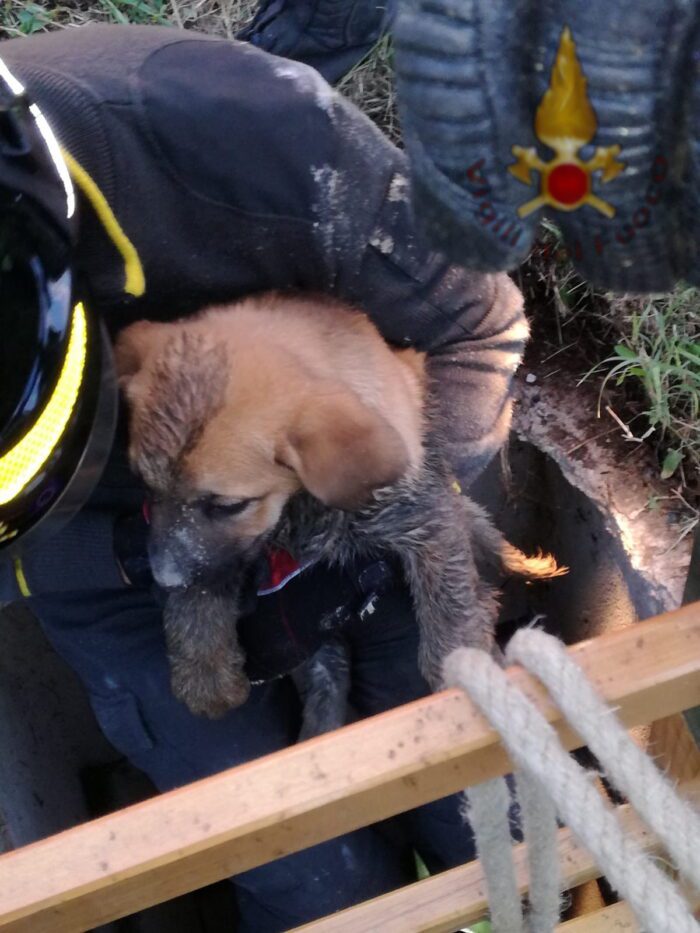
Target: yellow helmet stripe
20	465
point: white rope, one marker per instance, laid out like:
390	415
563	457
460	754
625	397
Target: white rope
539	819
675	823
487	812
533	744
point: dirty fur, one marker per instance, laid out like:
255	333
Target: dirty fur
438	535
189	380
409	509
323	683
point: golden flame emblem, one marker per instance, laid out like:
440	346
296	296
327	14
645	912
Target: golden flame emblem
565	121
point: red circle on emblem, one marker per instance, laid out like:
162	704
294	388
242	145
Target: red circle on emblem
567	183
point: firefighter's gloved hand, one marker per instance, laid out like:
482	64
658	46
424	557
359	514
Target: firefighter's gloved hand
331	36
586	113
289	622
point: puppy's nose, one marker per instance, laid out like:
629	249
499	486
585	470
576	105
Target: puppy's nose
168	572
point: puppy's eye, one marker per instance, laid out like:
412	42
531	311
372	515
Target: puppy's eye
215	508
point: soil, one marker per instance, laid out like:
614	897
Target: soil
564	348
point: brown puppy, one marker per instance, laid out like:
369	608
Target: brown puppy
290	419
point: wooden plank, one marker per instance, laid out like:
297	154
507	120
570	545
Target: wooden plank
674	749
303	795
675	752
455	898
617	918
585	899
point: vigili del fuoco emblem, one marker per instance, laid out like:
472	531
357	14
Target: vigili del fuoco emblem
565	121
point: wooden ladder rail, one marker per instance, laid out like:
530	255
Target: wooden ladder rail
287	801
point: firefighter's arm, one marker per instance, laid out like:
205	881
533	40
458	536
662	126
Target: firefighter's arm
472	324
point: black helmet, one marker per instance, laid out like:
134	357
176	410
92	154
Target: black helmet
57	390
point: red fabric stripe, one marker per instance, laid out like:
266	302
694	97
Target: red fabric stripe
280	564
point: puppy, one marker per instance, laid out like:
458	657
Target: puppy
288	421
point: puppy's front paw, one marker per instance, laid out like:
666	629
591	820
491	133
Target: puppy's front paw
206	661
210	692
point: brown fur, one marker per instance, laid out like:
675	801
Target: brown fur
296	416
178	385
266	397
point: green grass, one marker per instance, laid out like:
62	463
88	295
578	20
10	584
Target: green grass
219	17
136	11
644	352
26	18
659	351
370	85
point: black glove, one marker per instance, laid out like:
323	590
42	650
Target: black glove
331	36
289	625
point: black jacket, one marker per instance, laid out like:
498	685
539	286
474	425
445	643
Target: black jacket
232	171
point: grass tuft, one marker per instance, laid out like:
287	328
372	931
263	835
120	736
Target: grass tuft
370	86
217	17
645	351
659	351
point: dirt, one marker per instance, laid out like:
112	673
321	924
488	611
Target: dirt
620	478
567	342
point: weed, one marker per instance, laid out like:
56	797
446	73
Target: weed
659	349
645	349
219	17
370	85
137	11
24	19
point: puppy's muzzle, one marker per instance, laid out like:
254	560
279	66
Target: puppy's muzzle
177	563
170	569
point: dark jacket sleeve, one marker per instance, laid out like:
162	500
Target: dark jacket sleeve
472	323
80	557
323	202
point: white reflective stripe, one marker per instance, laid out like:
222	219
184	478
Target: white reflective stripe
55	152
18	89
9	79
283	583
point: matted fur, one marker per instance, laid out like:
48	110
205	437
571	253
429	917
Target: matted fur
188	383
364	436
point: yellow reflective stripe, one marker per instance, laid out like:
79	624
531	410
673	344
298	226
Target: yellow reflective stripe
19	466
7	533
21	579
135	281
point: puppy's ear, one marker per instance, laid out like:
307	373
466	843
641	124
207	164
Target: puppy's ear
132	347
342	450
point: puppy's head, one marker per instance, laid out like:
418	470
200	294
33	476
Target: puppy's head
225	431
